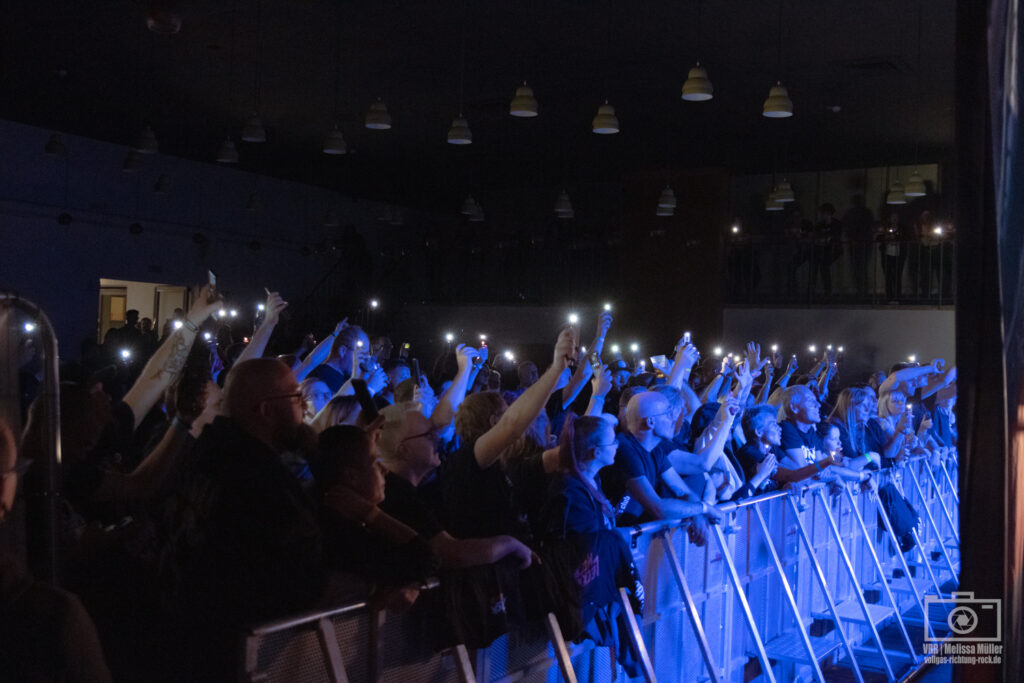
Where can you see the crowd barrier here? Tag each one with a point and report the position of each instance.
(804, 585)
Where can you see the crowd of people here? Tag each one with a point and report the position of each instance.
(218, 486)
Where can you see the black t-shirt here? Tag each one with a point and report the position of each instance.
(529, 484)
(748, 457)
(478, 503)
(329, 376)
(633, 461)
(792, 437)
(404, 502)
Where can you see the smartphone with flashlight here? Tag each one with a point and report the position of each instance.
(404, 351)
(660, 360)
(686, 338)
(416, 371)
(211, 278)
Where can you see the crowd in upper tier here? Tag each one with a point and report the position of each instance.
(217, 486)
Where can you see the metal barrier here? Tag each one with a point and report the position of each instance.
(801, 585)
(20, 317)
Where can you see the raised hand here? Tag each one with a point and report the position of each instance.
(464, 356)
(275, 304)
(204, 302)
(565, 348)
(754, 359)
(743, 374)
(342, 324)
(377, 379)
(604, 323)
(602, 382)
(687, 354)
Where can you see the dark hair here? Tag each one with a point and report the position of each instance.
(341, 448)
(754, 419)
(580, 435)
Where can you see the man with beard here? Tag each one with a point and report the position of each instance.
(246, 547)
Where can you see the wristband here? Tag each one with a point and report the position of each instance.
(189, 325)
(181, 424)
(817, 466)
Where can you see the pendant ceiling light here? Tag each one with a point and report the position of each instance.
(896, 194)
(524, 104)
(778, 105)
(163, 18)
(253, 130)
(132, 162)
(563, 207)
(606, 122)
(162, 184)
(55, 146)
(915, 185)
(667, 200)
(772, 204)
(665, 211)
(378, 118)
(334, 143)
(459, 133)
(478, 214)
(468, 206)
(784, 192)
(147, 144)
(228, 153)
(697, 87)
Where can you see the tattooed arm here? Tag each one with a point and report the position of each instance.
(166, 364)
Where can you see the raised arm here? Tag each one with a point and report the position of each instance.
(444, 413)
(319, 353)
(907, 375)
(166, 364)
(258, 343)
(602, 385)
(685, 357)
(526, 408)
(939, 381)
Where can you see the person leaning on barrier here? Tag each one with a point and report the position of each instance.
(358, 537)
(799, 415)
(642, 484)
(578, 542)
(408, 449)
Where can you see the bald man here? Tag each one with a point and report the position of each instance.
(246, 547)
(642, 483)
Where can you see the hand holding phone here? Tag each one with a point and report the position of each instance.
(416, 371)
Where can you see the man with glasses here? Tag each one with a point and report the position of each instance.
(642, 484)
(245, 543)
(408, 447)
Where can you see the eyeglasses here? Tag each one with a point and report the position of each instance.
(606, 445)
(656, 415)
(430, 435)
(294, 397)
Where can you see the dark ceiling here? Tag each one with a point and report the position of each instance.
(866, 90)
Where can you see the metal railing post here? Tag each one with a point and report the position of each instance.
(804, 637)
(934, 527)
(329, 643)
(766, 664)
(636, 638)
(561, 651)
(823, 585)
(856, 585)
(691, 608)
(938, 495)
(881, 572)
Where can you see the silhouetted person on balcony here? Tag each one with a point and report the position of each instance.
(828, 232)
(857, 221)
(894, 256)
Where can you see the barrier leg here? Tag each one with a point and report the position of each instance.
(823, 585)
(766, 664)
(881, 573)
(561, 651)
(636, 637)
(812, 656)
(934, 528)
(329, 643)
(869, 617)
(463, 664)
(691, 609)
(945, 510)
